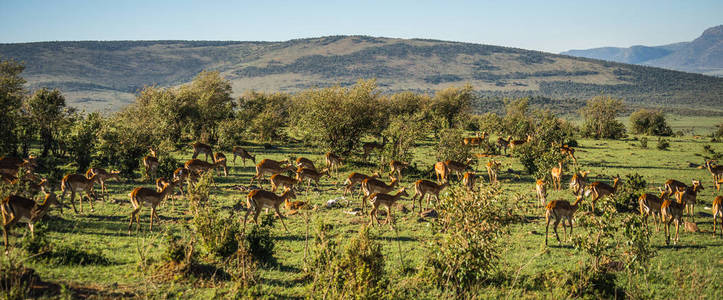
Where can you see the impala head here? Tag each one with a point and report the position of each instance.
(697, 185)
(403, 192)
(584, 173)
(679, 195)
(153, 152)
(375, 174)
(288, 194)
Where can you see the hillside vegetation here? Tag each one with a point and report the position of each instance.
(105, 75)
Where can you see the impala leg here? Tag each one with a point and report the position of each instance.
(72, 200)
(564, 227)
(133, 215)
(554, 227)
(715, 220)
(667, 231)
(371, 216)
(245, 218)
(90, 200)
(390, 216)
(281, 217)
(547, 226)
(153, 213)
(569, 222)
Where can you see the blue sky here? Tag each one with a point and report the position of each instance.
(551, 26)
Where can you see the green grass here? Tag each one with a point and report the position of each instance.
(690, 270)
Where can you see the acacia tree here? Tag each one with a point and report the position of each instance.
(46, 109)
(11, 95)
(453, 105)
(600, 113)
(650, 122)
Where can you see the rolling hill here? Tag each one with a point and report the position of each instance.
(105, 75)
(703, 55)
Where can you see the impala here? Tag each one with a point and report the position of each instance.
(442, 171)
(199, 148)
(76, 183)
(670, 211)
(381, 199)
(690, 197)
(541, 191)
(468, 180)
(238, 151)
(516, 143)
(332, 161)
(672, 185)
(198, 166)
(278, 180)
(220, 160)
(493, 167)
(150, 163)
(309, 175)
(181, 175)
(560, 209)
(716, 171)
(258, 199)
(556, 174)
(11, 165)
(355, 178)
(269, 166)
(568, 151)
(502, 144)
(16, 209)
(717, 212)
(578, 182)
(650, 205)
(303, 162)
(427, 188)
(142, 196)
(475, 141)
(370, 147)
(600, 189)
(102, 175)
(371, 186)
(396, 167)
(457, 167)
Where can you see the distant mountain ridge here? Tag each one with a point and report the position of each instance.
(703, 55)
(105, 75)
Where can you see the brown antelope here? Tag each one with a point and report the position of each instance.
(355, 178)
(309, 175)
(181, 175)
(150, 163)
(493, 167)
(468, 180)
(332, 162)
(278, 180)
(142, 196)
(381, 199)
(103, 175)
(442, 171)
(516, 143)
(716, 171)
(303, 162)
(560, 210)
(11, 165)
(258, 199)
(502, 144)
(578, 182)
(427, 188)
(600, 189)
(17, 209)
(238, 151)
(718, 184)
(673, 211)
(396, 166)
(198, 166)
(458, 167)
(717, 212)
(220, 160)
(370, 147)
(541, 191)
(690, 197)
(76, 183)
(199, 148)
(269, 166)
(568, 151)
(475, 141)
(672, 185)
(556, 174)
(372, 185)
(650, 206)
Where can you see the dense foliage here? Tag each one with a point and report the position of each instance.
(600, 113)
(644, 121)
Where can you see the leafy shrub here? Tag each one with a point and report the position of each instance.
(15, 279)
(450, 146)
(401, 134)
(230, 133)
(259, 243)
(216, 233)
(663, 144)
(639, 251)
(490, 123)
(40, 248)
(629, 189)
(644, 142)
(600, 113)
(178, 250)
(166, 165)
(81, 142)
(650, 122)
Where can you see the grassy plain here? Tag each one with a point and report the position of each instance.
(690, 270)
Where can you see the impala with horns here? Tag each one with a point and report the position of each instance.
(241, 152)
(427, 188)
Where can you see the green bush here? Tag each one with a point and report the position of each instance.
(259, 243)
(600, 113)
(450, 146)
(629, 189)
(644, 142)
(650, 122)
(663, 144)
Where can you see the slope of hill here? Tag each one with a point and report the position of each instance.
(105, 75)
(703, 55)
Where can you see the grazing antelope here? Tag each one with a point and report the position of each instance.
(673, 211)
(370, 147)
(258, 199)
(199, 148)
(278, 180)
(198, 166)
(578, 182)
(427, 188)
(303, 162)
(600, 189)
(372, 185)
(332, 162)
(76, 183)
(493, 167)
(560, 210)
(11, 165)
(238, 151)
(381, 199)
(541, 191)
(458, 167)
(309, 175)
(220, 160)
(355, 178)
(690, 197)
(650, 205)
(556, 174)
(442, 171)
(502, 144)
(718, 212)
(396, 166)
(468, 180)
(716, 171)
(269, 166)
(142, 196)
(103, 175)
(17, 209)
(150, 163)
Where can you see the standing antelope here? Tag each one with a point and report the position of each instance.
(468, 180)
(150, 163)
(372, 185)
(718, 212)
(670, 211)
(427, 188)
(396, 167)
(516, 143)
(16, 209)
(690, 197)
(568, 151)
(370, 147)
(541, 191)
(442, 171)
(560, 209)
(238, 151)
(220, 160)
(355, 178)
(279, 180)
(142, 196)
(493, 167)
(103, 175)
(672, 185)
(458, 167)
(332, 162)
(269, 166)
(600, 189)
(502, 144)
(556, 174)
(650, 205)
(258, 199)
(382, 199)
(199, 148)
(309, 175)
(76, 183)
(578, 182)
(716, 171)
(303, 162)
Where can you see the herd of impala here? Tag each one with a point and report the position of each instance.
(16, 208)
